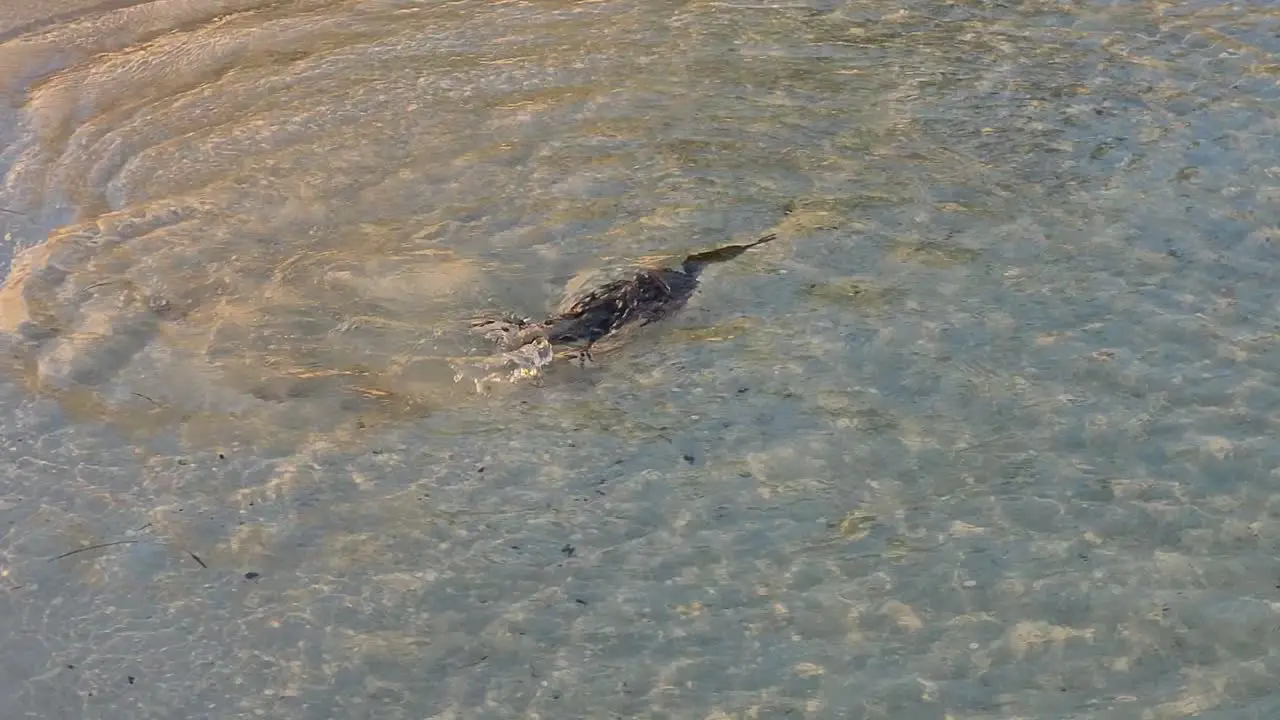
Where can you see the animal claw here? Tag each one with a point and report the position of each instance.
(583, 355)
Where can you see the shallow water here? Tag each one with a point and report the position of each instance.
(984, 434)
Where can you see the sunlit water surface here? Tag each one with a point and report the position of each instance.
(987, 432)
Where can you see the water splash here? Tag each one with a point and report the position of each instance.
(523, 364)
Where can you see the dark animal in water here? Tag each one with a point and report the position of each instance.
(637, 297)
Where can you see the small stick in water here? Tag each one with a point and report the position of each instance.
(92, 547)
